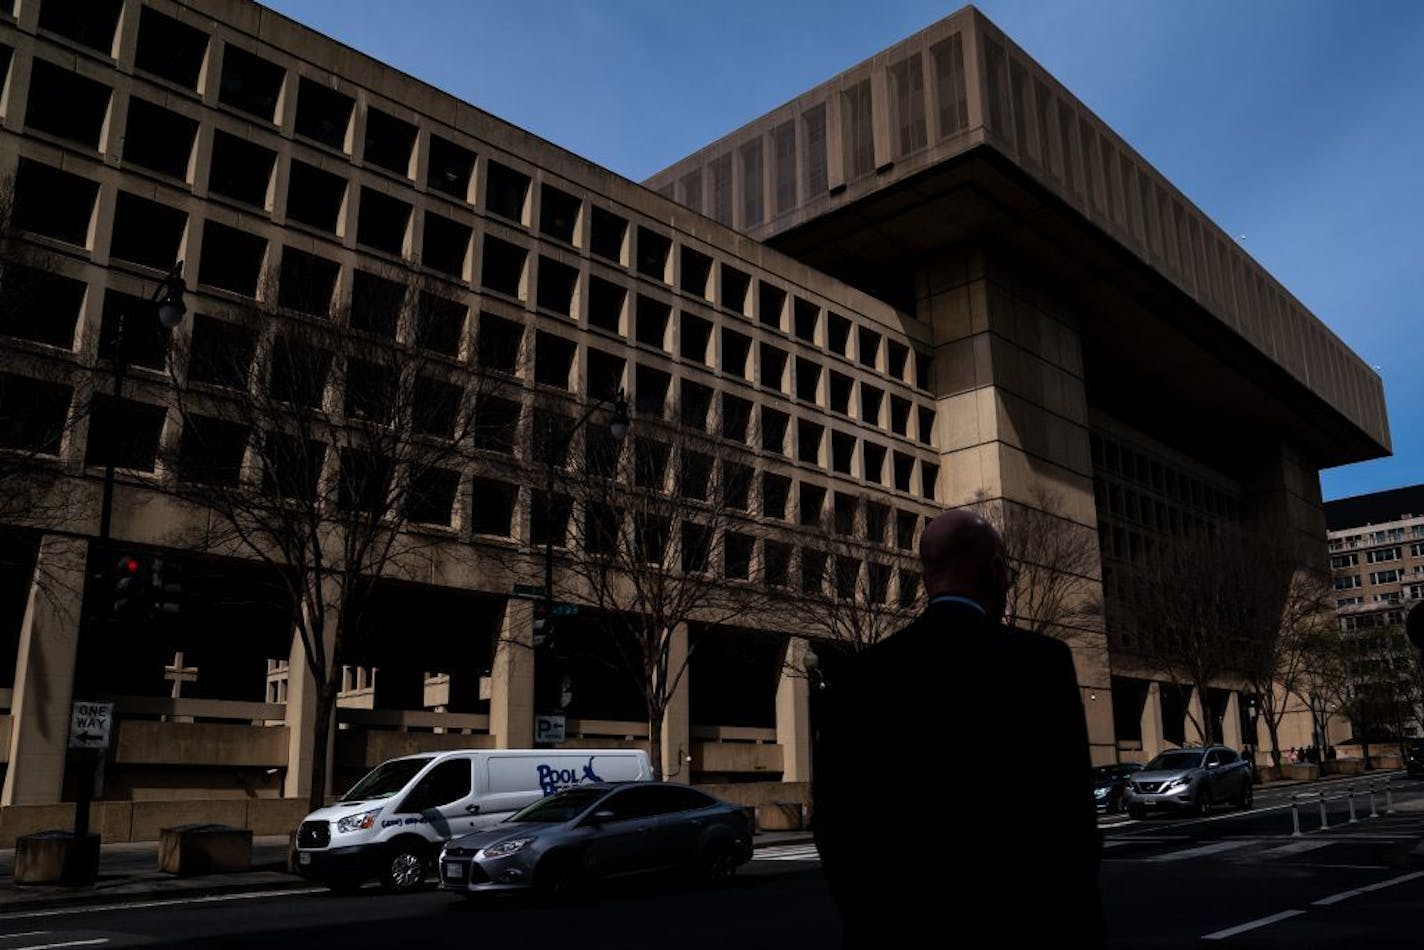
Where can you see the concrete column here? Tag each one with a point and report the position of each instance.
(44, 674)
(301, 709)
(677, 733)
(793, 715)
(1196, 715)
(1231, 723)
(512, 679)
(1152, 721)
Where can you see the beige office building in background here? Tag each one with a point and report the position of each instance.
(934, 280)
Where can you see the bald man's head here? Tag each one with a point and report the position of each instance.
(963, 554)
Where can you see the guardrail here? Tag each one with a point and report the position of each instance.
(1321, 798)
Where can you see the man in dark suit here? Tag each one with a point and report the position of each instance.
(951, 780)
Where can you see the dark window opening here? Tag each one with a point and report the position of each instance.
(600, 528)
(842, 452)
(65, 104)
(605, 374)
(773, 367)
(145, 341)
(307, 282)
(735, 350)
(696, 335)
(499, 343)
(775, 491)
(157, 139)
(553, 360)
(557, 282)
(846, 508)
(773, 430)
(651, 538)
(497, 424)
(905, 524)
(923, 369)
(449, 168)
(873, 458)
(292, 466)
(904, 468)
(857, 129)
(696, 547)
(808, 441)
(432, 496)
(389, 142)
(370, 391)
(40, 306)
(846, 576)
(439, 324)
(735, 287)
(695, 475)
(870, 402)
(737, 486)
(837, 333)
(232, 259)
(736, 418)
(720, 169)
(929, 479)
(689, 190)
(435, 407)
(601, 451)
(146, 232)
(364, 482)
(89, 23)
(771, 301)
(738, 553)
(753, 205)
(653, 251)
(445, 245)
(376, 304)
(33, 413)
(299, 373)
(877, 583)
(877, 519)
(652, 320)
(240, 169)
(170, 49)
(783, 145)
(492, 507)
(323, 114)
(506, 192)
(869, 347)
(502, 269)
(605, 304)
(696, 405)
(840, 391)
(211, 450)
(606, 233)
(382, 222)
(898, 354)
(250, 83)
(813, 505)
(813, 571)
(314, 196)
(123, 432)
(926, 427)
(696, 271)
(650, 391)
(807, 315)
(221, 354)
(909, 589)
(551, 436)
(53, 203)
(808, 379)
(650, 461)
(558, 213)
(776, 563)
(899, 415)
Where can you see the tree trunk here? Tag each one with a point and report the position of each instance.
(325, 708)
(655, 742)
(1273, 730)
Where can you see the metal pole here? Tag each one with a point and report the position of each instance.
(1351, 792)
(1324, 822)
(1388, 798)
(1295, 815)
(1373, 813)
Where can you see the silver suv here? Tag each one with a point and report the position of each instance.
(1191, 779)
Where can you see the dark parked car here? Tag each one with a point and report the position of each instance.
(1109, 781)
(1195, 780)
(1414, 758)
(596, 831)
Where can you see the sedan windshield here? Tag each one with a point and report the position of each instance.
(1175, 761)
(561, 806)
(385, 780)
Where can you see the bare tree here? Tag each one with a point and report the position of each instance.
(324, 442)
(660, 537)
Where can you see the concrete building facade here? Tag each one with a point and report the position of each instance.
(935, 280)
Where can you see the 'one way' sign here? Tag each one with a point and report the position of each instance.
(89, 725)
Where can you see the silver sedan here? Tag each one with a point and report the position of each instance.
(596, 831)
(1194, 780)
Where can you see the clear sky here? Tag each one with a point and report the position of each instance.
(1297, 125)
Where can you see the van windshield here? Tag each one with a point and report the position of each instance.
(385, 780)
(561, 806)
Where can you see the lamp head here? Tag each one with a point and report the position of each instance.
(170, 306)
(621, 421)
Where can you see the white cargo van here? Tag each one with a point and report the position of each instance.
(391, 824)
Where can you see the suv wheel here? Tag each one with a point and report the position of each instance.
(1203, 802)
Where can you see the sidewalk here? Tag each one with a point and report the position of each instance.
(128, 874)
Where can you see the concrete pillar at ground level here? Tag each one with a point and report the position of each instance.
(793, 715)
(677, 736)
(1152, 721)
(1231, 722)
(1196, 721)
(512, 679)
(44, 674)
(301, 708)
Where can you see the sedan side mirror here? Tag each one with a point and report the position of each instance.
(1212, 765)
(602, 815)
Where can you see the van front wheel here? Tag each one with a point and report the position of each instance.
(403, 869)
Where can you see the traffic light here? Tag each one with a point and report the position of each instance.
(132, 586)
(166, 583)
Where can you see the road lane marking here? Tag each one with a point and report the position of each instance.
(1296, 847)
(787, 853)
(27, 933)
(1356, 892)
(1189, 853)
(67, 943)
(144, 905)
(1253, 924)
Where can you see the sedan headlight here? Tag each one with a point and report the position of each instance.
(1100, 792)
(505, 848)
(367, 819)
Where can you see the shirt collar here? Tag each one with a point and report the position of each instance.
(956, 599)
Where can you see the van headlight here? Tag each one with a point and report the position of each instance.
(361, 822)
(505, 848)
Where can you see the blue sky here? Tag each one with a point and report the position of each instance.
(1299, 125)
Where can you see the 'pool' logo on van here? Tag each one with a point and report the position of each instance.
(552, 780)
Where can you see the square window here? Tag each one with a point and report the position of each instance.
(323, 114)
(250, 83)
(449, 168)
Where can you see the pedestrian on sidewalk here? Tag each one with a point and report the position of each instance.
(957, 663)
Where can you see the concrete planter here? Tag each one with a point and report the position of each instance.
(780, 816)
(57, 857)
(204, 849)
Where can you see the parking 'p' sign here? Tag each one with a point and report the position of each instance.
(90, 724)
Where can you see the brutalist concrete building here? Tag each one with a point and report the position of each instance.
(937, 279)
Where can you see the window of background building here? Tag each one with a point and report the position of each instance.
(949, 79)
(753, 205)
(449, 168)
(721, 171)
(506, 192)
(250, 83)
(169, 48)
(389, 142)
(54, 203)
(314, 197)
(813, 131)
(158, 139)
(607, 233)
(383, 222)
(65, 104)
(323, 114)
(240, 170)
(859, 134)
(909, 80)
(783, 144)
(605, 304)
